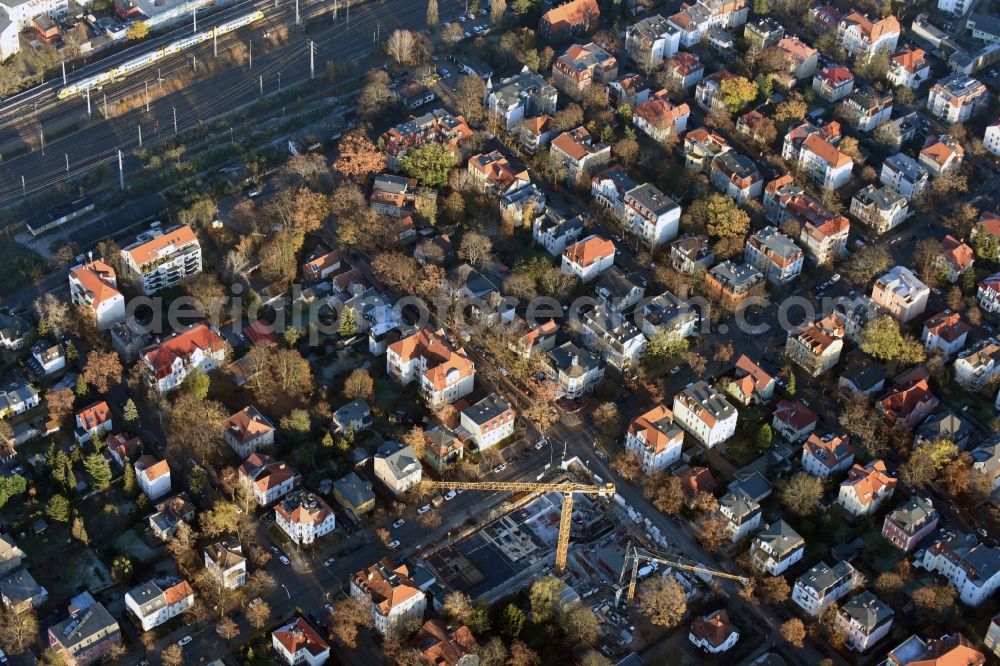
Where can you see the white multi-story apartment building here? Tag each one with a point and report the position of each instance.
(444, 374)
(659, 118)
(833, 82)
(945, 332)
(879, 208)
(588, 258)
(823, 163)
(391, 594)
(909, 68)
(826, 456)
(988, 293)
(651, 41)
(705, 413)
(166, 365)
(860, 35)
(153, 476)
(654, 439)
(775, 255)
(956, 7)
(905, 175)
(823, 585)
(524, 95)
(304, 517)
(776, 548)
(225, 561)
(977, 367)
(816, 347)
(578, 152)
(489, 421)
(271, 479)
(578, 371)
(991, 138)
(651, 215)
(161, 259)
(901, 294)
(248, 431)
(736, 176)
(969, 566)
(153, 606)
(94, 286)
(554, 232)
(866, 488)
(957, 97)
(865, 620)
(614, 337)
(298, 643)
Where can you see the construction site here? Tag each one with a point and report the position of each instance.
(606, 548)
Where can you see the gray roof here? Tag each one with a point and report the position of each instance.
(865, 376)
(883, 197)
(959, 84)
(468, 277)
(652, 199)
(20, 586)
(984, 23)
(986, 457)
(781, 538)
(906, 165)
(709, 399)
(85, 628)
(653, 27)
(617, 284)
(611, 327)
(149, 596)
(225, 555)
(16, 393)
(979, 562)
(913, 515)
(386, 182)
(822, 577)
(732, 163)
(867, 610)
(753, 483)
(486, 409)
(351, 412)
(772, 240)
(13, 327)
(946, 424)
(736, 276)
(512, 90)
(739, 504)
(401, 460)
(573, 361)
(354, 490)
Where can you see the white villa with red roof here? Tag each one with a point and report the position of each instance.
(248, 431)
(94, 285)
(153, 476)
(654, 439)
(390, 593)
(161, 259)
(271, 479)
(167, 364)
(826, 456)
(92, 420)
(588, 258)
(444, 374)
(866, 488)
(304, 517)
(298, 643)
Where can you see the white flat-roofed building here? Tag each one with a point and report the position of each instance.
(957, 98)
(901, 294)
(159, 260)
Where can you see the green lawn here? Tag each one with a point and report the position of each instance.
(22, 266)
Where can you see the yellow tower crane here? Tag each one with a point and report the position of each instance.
(565, 517)
(635, 554)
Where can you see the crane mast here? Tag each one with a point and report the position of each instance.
(565, 515)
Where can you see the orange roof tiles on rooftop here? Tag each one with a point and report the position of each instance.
(151, 250)
(826, 151)
(97, 278)
(589, 250)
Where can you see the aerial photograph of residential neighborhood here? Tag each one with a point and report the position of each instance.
(500, 332)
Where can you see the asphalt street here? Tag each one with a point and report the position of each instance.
(97, 141)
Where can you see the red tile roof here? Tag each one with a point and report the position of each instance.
(299, 636)
(162, 356)
(589, 250)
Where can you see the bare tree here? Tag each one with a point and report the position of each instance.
(227, 629)
(400, 46)
(259, 615)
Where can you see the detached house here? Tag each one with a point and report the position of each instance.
(705, 413)
(391, 595)
(493, 173)
(866, 488)
(444, 644)
(880, 209)
(701, 147)
(659, 118)
(225, 562)
(775, 255)
(956, 257)
(444, 374)
(489, 421)
(827, 455)
(988, 293)
(581, 157)
(588, 258)
(93, 419)
(901, 294)
(94, 286)
(650, 41)
(654, 439)
(776, 548)
(554, 232)
(271, 479)
(750, 383)
(153, 476)
(578, 371)
(910, 523)
(564, 22)
(166, 365)
(153, 605)
(823, 585)
(395, 196)
(865, 620)
(668, 313)
(736, 176)
(516, 98)
(957, 97)
(397, 467)
(87, 635)
(824, 233)
(942, 154)
(299, 643)
(909, 402)
(909, 68)
(713, 633)
(947, 650)
(866, 108)
(437, 126)
(905, 175)
(248, 431)
(823, 163)
(614, 337)
(685, 68)
(969, 566)
(691, 253)
(304, 517)
(742, 514)
(581, 66)
(977, 367)
(801, 59)
(816, 347)
(733, 283)
(793, 420)
(161, 259)
(860, 35)
(833, 82)
(650, 214)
